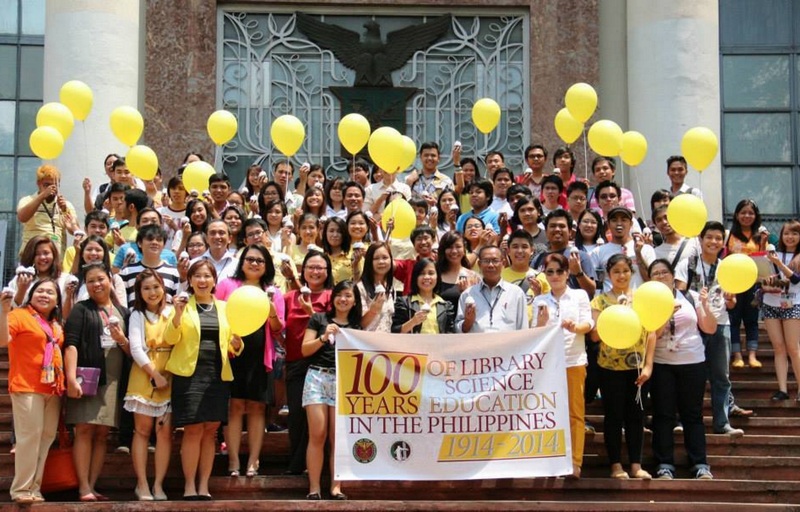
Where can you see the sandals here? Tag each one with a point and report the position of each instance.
(252, 471)
(642, 475)
(233, 473)
(339, 496)
(620, 475)
(313, 496)
(755, 363)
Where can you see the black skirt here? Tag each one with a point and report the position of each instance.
(251, 380)
(202, 397)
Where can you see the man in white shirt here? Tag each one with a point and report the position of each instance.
(492, 305)
(675, 248)
(676, 171)
(376, 195)
(502, 181)
(219, 238)
(620, 220)
(282, 173)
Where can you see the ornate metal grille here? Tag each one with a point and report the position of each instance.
(268, 68)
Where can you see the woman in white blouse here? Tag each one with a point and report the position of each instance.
(570, 309)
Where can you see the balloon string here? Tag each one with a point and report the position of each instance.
(639, 374)
(585, 156)
(638, 188)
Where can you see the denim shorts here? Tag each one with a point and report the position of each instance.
(320, 387)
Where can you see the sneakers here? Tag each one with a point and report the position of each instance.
(589, 428)
(665, 474)
(223, 448)
(151, 448)
(703, 474)
(284, 411)
(729, 430)
(779, 396)
(274, 427)
(123, 449)
(678, 428)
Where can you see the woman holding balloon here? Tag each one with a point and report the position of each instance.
(679, 376)
(252, 387)
(625, 365)
(746, 236)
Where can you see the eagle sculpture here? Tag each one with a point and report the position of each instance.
(371, 58)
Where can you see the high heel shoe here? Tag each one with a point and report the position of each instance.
(143, 497)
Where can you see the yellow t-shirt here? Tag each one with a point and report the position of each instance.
(48, 220)
(514, 277)
(342, 267)
(614, 358)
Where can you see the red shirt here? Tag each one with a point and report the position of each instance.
(297, 319)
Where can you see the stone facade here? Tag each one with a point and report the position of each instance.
(181, 54)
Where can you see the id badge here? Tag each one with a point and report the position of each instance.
(106, 341)
(787, 300)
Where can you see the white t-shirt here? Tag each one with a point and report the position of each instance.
(572, 305)
(669, 251)
(681, 343)
(791, 296)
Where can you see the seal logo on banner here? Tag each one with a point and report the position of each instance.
(400, 451)
(364, 450)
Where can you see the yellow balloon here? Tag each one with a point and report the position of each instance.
(247, 309)
(385, 147)
(486, 114)
(46, 142)
(737, 273)
(687, 214)
(142, 162)
(57, 116)
(221, 127)
(619, 327)
(634, 148)
(127, 125)
(287, 134)
(78, 97)
(195, 176)
(581, 101)
(605, 138)
(354, 132)
(405, 220)
(409, 152)
(654, 303)
(567, 127)
(699, 146)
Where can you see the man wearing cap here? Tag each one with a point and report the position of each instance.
(620, 220)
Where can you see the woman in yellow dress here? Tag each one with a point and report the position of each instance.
(149, 390)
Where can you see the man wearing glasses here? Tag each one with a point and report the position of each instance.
(535, 160)
(493, 304)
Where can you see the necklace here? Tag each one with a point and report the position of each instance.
(205, 308)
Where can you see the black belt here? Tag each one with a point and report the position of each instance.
(321, 369)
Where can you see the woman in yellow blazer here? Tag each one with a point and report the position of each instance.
(201, 371)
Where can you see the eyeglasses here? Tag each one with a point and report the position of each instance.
(317, 269)
(555, 271)
(196, 245)
(661, 273)
(255, 261)
(608, 196)
(491, 262)
(536, 157)
(254, 234)
(579, 199)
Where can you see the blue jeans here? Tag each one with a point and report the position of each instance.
(718, 353)
(744, 313)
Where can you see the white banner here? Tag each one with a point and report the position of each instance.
(451, 407)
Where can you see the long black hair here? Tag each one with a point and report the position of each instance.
(268, 278)
(354, 315)
(368, 275)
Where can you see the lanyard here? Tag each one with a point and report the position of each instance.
(708, 278)
(491, 304)
(51, 215)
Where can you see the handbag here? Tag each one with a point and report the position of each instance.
(59, 470)
(88, 379)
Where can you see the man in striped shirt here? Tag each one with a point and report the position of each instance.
(150, 239)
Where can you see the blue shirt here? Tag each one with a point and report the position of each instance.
(488, 216)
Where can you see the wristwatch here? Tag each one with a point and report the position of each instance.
(579, 275)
